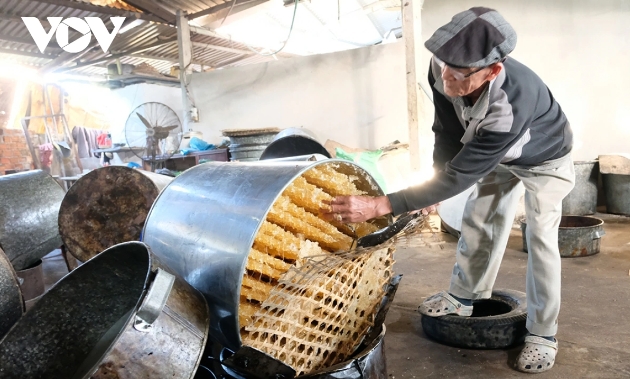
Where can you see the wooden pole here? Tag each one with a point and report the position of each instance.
(416, 101)
(185, 61)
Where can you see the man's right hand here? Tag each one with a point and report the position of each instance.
(356, 208)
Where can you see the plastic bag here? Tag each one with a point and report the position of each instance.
(367, 160)
(199, 144)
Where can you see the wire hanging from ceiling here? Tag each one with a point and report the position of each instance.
(285, 41)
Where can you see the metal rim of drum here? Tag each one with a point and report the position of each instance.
(88, 317)
(12, 304)
(223, 295)
(28, 216)
(93, 216)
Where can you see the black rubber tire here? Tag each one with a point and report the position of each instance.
(480, 331)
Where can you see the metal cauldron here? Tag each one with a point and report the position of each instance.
(578, 236)
(105, 207)
(293, 142)
(11, 301)
(204, 224)
(28, 216)
(119, 315)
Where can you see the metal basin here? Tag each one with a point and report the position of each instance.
(119, 315)
(11, 301)
(28, 216)
(578, 236)
(204, 223)
(105, 207)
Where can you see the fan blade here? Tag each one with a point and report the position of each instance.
(166, 128)
(144, 121)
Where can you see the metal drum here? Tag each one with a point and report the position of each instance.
(293, 142)
(582, 200)
(204, 223)
(11, 302)
(107, 206)
(28, 216)
(120, 315)
(617, 190)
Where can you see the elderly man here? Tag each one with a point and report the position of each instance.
(496, 126)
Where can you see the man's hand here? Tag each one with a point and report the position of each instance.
(429, 209)
(356, 208)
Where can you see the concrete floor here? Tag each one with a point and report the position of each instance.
(594, 321)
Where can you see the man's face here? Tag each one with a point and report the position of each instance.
(454, 86)
(463, 81)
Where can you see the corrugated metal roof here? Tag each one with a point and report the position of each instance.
(320, 27)
(149, 42)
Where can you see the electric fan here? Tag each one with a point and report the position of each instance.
(156, 129)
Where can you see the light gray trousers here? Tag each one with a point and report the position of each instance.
(486, 224)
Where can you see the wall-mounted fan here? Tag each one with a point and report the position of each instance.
(156, 129)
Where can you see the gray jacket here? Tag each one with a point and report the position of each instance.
(515, 121)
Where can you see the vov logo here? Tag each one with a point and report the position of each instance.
(61, 29)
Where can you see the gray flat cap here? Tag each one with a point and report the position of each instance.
(477, 37)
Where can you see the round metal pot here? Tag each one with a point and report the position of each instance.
(293, 142)
(582, 200)
(105, 207)
(120, 315)
(28, 216)
(617, 189)
(204, 224)
(578, 236)
(11, 302)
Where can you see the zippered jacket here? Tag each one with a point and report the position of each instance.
(516, 121)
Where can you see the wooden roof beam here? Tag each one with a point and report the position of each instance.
(154, 8)
(84, 6)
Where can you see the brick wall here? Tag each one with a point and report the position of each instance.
(14, 153)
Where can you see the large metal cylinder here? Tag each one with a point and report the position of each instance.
(11, 302)
(107, 206)
(204, 223)
(617, 189)
(582, 200)
(28, 216)
(120, 315)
